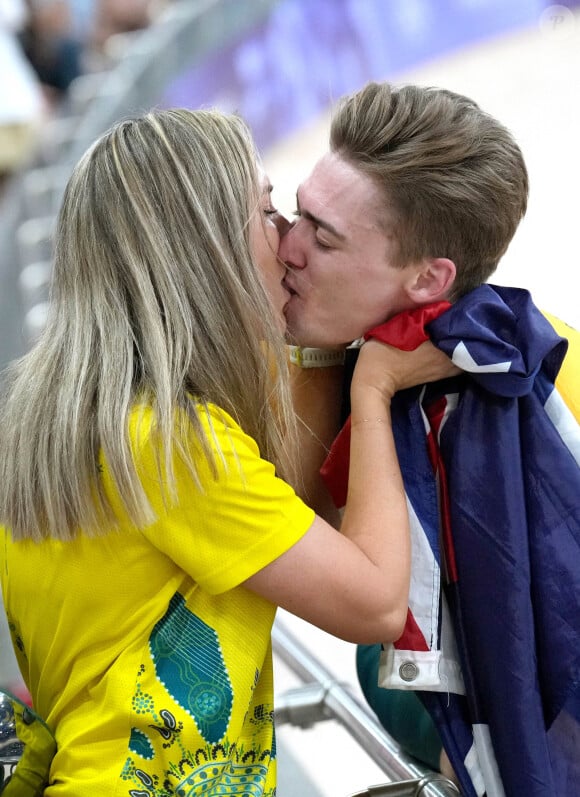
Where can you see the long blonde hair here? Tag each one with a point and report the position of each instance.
(154, 297)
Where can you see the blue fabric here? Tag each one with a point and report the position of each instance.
(514, 490)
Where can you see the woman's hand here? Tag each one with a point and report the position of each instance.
(388, 369)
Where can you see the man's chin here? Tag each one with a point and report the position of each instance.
(296, 336)
(312, 342)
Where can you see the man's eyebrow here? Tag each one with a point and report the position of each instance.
(306, 214)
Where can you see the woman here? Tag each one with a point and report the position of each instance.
(137, 491)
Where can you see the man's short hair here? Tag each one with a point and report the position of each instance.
(453, 177)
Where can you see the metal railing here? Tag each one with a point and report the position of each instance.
(324, 698)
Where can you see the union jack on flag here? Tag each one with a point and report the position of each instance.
(491, 465)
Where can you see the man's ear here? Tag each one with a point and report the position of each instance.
(431, 280)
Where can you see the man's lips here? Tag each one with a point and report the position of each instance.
(291, 290)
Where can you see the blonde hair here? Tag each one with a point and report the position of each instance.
(155, 297)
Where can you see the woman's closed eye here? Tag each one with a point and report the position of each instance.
(280, 221)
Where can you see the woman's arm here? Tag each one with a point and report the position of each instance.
(355, 584)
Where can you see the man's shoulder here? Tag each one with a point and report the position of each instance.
(568, 381)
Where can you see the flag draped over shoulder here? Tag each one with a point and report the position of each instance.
(491, 465)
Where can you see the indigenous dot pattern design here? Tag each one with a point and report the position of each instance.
(188, 662)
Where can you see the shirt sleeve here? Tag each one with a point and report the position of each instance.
(568, 380)
(232, 524)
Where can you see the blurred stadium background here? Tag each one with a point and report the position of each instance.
(282, 64)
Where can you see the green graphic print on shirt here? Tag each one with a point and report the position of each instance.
(188, 663)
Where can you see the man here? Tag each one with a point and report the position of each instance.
(414, 205)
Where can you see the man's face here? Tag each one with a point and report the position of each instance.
(339, 258)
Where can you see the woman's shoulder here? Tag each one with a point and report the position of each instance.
(201, 428)
(143, 419)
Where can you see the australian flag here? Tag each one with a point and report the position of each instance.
(491, 465)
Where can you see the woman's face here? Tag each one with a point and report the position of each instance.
(266, 227)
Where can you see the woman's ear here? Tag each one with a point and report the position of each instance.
(431, 281)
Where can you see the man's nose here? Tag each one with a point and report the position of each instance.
(290, 250)
(282, 224)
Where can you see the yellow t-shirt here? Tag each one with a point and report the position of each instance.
(148, 660)
(568, 380)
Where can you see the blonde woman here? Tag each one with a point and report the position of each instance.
(149, 534)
